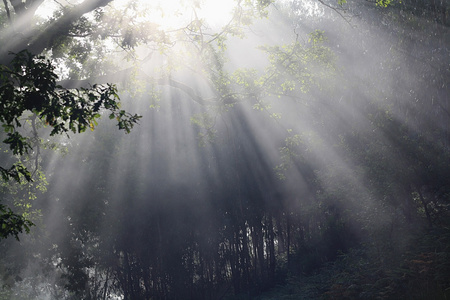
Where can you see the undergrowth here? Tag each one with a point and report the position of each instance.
(421, 271)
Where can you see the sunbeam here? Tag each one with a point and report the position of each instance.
(245, 149)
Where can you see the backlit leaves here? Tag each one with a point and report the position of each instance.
(12, 224)
(298, 67)
(29, 86)
(384, 3)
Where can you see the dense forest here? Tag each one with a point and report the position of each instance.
(287, 149)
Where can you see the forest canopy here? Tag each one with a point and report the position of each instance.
(288, 149)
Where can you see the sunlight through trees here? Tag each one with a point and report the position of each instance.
(273, 150)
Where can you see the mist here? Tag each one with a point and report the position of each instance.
(301, 155)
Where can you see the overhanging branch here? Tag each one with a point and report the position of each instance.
(130, 72)
(61, 26)
(36, 42)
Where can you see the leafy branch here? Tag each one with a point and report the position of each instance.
(12, 223)
(29, 85)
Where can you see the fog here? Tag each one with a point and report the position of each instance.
(310, 145)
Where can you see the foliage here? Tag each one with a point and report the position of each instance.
(322, 174)
(422, 273)
(296, 67)
(12, 224)
(30, 86)
(28, 92)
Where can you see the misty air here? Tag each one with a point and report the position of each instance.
(221, 150)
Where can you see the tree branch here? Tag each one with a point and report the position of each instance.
(36, 42)
(61, 26)
(186, 89)
(336, 10)
(127, 73)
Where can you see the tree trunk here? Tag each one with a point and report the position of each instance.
(271, 250)
(425, 207)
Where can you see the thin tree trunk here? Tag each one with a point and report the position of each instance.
(425, 207)
(288, 230)
(271, 250)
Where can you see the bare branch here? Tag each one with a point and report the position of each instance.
(186, 89)
(338, 11)
(127, 73)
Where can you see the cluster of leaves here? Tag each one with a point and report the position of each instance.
(297, 66)
(294, 69)
(15, 172)
(29, 86)
(381, 3)
(12, 223)
(29, 92)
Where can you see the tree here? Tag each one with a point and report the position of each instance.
(32, 89)
(288, 165)
(30, 94)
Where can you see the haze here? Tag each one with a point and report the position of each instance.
(286, 150)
